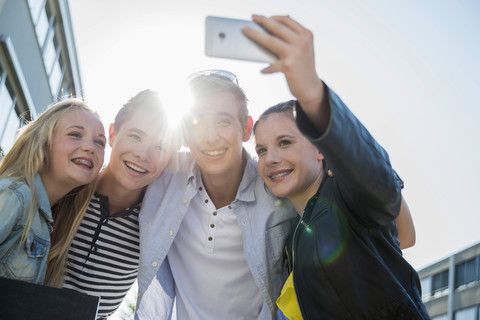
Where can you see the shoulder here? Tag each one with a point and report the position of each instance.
(15, 187)
(15, 197)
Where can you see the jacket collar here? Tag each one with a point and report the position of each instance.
(43, 202)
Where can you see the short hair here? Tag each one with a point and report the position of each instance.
(148, 101)
(205, 85)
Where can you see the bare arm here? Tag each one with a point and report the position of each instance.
(406, 228)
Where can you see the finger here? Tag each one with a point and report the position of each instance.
(273, 68)
(272, 43)
(290, 23)
(276, 27)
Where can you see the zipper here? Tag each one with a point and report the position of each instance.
(293, 258)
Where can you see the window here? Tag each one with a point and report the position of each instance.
(466, 314)
(426, 285)
(8, 119)
(466, 272)
(14, 95)
(439, 282)
(48, 39)
(441, 317)
(40, 19)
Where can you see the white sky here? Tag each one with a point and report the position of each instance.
(409, 70)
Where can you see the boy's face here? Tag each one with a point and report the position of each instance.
(216, 134)
(139, 153)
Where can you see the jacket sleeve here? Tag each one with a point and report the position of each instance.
(362, 168)
(11, 209)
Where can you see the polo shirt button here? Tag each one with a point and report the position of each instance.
(185, 201)
(154, 264)
(170, 233)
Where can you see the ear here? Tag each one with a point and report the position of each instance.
(111, 134)
(247, 132)
(320, 156)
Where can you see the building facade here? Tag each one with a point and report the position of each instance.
(451, 287)
(38, 61)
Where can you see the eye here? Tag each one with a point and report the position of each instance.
(101, 143)
(224, 122)
(75, 134)
(260, 151)
(135, 137)
(284, 143)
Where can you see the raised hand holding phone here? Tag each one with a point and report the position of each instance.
(224, 39)
(293, 45)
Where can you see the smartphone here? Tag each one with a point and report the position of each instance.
(224, 39)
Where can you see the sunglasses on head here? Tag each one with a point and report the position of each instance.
(215, 72)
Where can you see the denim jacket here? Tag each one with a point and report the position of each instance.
(264, 222)
(28, 261)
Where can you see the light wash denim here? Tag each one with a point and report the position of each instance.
(27, 261)
(264, 220)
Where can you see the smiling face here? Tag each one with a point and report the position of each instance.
(216, 132)
(289, 164)
(77, 150)
(140, 152)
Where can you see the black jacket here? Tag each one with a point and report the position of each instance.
(344, 251)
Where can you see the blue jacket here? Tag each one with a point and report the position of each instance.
(344, 251)
(28, 261)
(264, 223)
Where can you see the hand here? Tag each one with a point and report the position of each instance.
(293, 45)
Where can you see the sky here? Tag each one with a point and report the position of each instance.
(409, 70)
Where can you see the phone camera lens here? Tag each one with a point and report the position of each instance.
(221, 35)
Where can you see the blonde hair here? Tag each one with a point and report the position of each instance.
(29, 155)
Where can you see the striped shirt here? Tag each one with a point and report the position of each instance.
(103, 257)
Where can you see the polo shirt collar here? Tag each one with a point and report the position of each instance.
(245, 192)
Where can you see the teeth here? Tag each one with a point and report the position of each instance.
(134, 167)
(83, 162)
(214, 153)
(280, 175)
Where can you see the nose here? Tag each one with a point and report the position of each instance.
(141, 152)
(88, 146)
(211, 133)
(272, 157)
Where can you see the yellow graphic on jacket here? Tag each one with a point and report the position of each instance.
(287, 302)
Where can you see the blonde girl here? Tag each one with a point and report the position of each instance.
(46, 181)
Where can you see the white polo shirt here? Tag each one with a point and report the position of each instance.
(212, 277)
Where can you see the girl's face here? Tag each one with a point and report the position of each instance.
(77, 150)
(289, 164)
